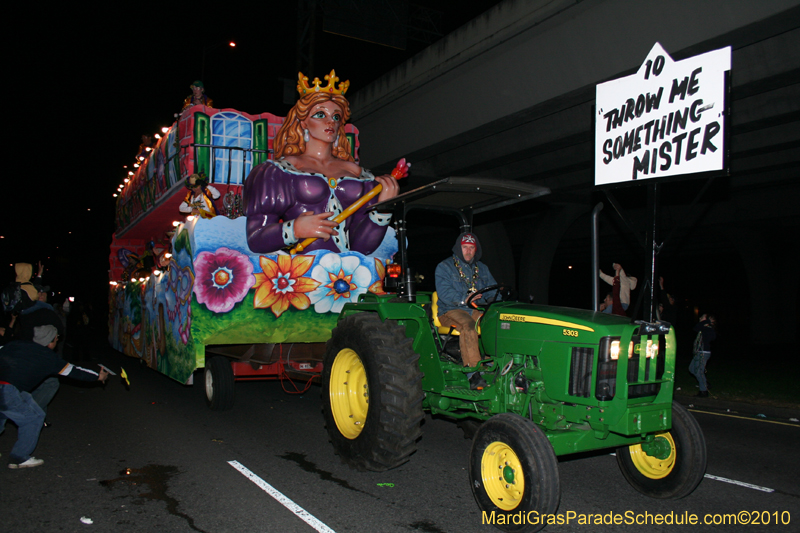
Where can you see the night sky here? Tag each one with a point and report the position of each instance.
(83, 86)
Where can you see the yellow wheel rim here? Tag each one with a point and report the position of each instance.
(652, 466)
(349, 393)
(502, 476)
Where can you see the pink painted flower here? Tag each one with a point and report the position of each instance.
(222, 279)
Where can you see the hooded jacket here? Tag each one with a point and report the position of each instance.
(452, 288)
(22, 294)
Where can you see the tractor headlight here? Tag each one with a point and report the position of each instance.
(651, 349)
(609, 349)
(614, 350)
(606, 382)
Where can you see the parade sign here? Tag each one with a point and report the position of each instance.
(665, 120)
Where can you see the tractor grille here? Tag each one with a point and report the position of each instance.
(653, 368)
(580, 372)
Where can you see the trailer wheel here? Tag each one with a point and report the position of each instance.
(371, 393)
(219, 384)
(514, 471)
(674, 465)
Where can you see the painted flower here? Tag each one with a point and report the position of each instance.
(184, 329)
(377, 287)
(281, 283)
(342, 280)
(222, 279)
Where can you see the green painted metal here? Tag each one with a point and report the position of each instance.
(531, 350)
(202, 135)
(659, 448)
(260, 140)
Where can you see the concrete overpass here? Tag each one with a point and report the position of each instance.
(511, 95)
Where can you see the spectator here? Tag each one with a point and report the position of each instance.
(41, 315)
(78, 327)
(23, 365)
(22, 294)
(706, 333)
(626, 285)
(667, 309)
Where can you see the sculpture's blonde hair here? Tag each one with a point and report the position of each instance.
(289, 140)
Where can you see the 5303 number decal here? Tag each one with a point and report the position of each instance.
(569, 332)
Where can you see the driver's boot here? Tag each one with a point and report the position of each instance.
(476, 381)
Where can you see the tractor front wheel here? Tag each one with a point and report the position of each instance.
(514, 470)
(672, 465)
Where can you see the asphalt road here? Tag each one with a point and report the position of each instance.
(154, 458)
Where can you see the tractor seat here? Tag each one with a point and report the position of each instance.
(443, 329)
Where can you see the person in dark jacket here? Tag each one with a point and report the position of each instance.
(667, 307)
(457, 277)
(23, 366)
(706, 334)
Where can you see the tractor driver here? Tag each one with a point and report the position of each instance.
(456, 278)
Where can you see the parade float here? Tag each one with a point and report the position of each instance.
(186, 288)
(256, 297)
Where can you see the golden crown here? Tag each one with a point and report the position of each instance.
(304, 88)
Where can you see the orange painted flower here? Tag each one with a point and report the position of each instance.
(281, 283)
(377, 287)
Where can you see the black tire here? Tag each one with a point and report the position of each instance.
(676, 475)
(218, 384)
(511, 451)
(373, 409)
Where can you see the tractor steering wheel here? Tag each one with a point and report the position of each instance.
(472, 297)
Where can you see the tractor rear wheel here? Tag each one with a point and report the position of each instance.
(371, 393)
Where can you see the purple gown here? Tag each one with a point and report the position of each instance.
(276, 193)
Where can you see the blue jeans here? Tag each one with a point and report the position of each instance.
(43, 394)
(698, 368)
(20, 408)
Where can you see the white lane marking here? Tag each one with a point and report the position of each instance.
(733, 482)
(304, 515)
(740, 483)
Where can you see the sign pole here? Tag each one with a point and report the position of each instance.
(653, 200)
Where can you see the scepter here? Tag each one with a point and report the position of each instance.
(400, 171)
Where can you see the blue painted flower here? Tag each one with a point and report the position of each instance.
(342, 280)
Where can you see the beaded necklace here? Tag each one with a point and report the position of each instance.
(470, 283)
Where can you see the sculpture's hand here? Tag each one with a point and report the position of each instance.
(316, 226)
(390, 187)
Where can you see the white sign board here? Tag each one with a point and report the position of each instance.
(665, 120)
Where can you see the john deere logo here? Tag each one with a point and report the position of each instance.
(507, 317)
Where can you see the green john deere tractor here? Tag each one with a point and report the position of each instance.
(559, 381)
